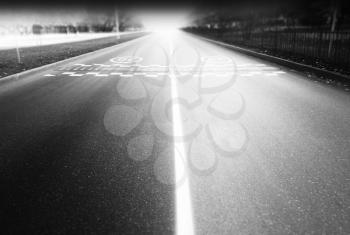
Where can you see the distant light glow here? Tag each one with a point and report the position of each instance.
(163, 22)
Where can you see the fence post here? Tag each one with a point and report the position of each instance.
(294, 38)
(320, 43)
(276, 43)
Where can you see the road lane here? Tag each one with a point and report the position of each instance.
(88, 147)
(63, 171)
(293, 177)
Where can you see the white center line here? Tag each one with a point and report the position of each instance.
(183, 207)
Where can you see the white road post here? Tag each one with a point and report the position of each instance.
(17, 47)
(117, 24)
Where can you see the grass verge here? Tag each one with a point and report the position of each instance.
(33, 57)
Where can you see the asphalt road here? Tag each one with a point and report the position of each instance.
(169, 133)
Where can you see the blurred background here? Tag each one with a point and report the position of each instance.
(313, 32)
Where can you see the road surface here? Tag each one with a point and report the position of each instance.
(171, 134)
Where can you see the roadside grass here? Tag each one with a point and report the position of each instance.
(32, 57)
